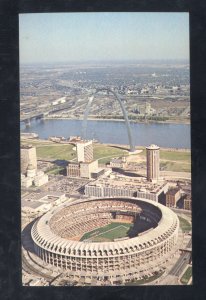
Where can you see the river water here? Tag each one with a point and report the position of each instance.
(164, 135)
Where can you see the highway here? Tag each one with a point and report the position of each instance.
(31, 270)
(181, 211)
(182, 262)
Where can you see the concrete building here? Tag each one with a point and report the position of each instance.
(152, 162)
(41, 202)
(28, 156)
(73, 169)
(118, 163)
(59, 101)
(31, 171)
(118, 186)
(56, 236)
(145, 109)
(29, 135)
(26, 181)
(188, 203)
(86, 168)
(85, 164)
(35, 177)
(40, 178)
(82, 169)
(172, 196)
(98, 172)
(84, 151)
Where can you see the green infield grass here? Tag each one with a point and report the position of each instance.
(107, 233)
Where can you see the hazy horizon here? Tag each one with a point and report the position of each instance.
(143, 61)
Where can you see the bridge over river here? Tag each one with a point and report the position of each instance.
(40, 114)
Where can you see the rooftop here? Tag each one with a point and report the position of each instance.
(44, 197)
(31, 204)
(84, 142)
(173, 191)
(140, 184)
(153, 147)
(27, 146)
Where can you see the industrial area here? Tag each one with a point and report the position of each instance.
(151, 92)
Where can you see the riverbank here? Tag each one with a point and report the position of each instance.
(114, 132)
(186, 122)
(120, 146)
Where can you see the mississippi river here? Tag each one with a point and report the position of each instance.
(164, 135)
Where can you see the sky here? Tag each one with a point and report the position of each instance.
(68, 37)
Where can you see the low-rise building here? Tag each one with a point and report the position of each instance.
(41, 202)
(188, 203)
(26, 181)
(97, 173)
(40, 178)
(73, 169)
(86, 168)
(82, 169)
(125, 186)
(118, 163)
(29, 135)
(31, 171)
(172, 196)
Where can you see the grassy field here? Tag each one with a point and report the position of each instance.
(55, 170)
(184, 224)
(186, 276)
(177, 161)
(171, 155)
(107, 233)
(63, 152)
(175, 166)
(105, 153)
(175, 155)
(50, 150)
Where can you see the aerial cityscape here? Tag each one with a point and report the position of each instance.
(105, 150)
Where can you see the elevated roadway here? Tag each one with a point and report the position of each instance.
(29, 268)
(41, 113)
(182, 261)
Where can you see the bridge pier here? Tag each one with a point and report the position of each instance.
(27, 123)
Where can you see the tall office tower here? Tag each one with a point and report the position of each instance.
(152, 162)
(84, 151)
(28, 156)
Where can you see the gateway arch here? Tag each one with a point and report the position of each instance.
(129, 133)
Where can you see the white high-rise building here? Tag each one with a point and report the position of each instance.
(28, 156)
(84, 151)
(152, 162)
